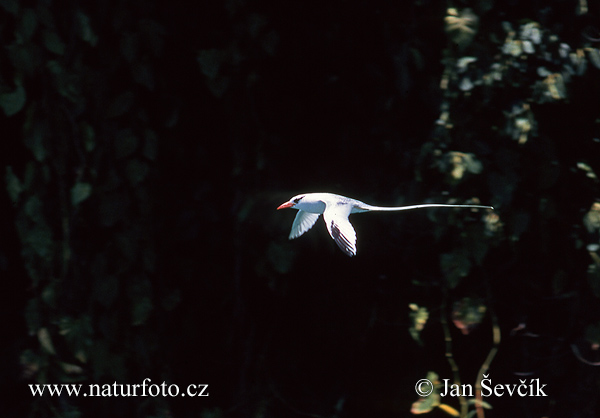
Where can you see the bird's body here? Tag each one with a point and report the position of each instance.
(336, 209)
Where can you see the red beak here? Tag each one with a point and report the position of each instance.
(286, 205)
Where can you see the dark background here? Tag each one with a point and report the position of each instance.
(146, 145)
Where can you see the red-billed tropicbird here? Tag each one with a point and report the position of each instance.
(336, 209)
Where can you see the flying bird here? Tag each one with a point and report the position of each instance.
(336, 209)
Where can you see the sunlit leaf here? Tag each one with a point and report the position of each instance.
(425, 405)
(457, 164)
(589, 172)
(461, 26)
(449, 410)
(591, 219)
(70, 368)
(419, 317)
(46, 340)
(428, 403)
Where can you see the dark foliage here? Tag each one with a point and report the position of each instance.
(146, 145)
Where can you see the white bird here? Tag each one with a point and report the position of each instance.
(336, 209)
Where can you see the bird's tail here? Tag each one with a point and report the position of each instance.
(367, 208)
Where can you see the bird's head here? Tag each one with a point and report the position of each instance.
(292, 202)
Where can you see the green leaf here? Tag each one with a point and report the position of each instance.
(80, 192)
(14, 101)
(13, 185)
(33, 209)
(425, 405)
(85, 30)
(27, 25)
(34, 140)
(419, 317)
(89, 136)
(39, 238)
(49, 295)
(53, 43)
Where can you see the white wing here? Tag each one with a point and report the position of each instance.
(341, 230)
(302, 223)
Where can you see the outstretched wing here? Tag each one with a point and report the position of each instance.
(341, 230)
(302, 223)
